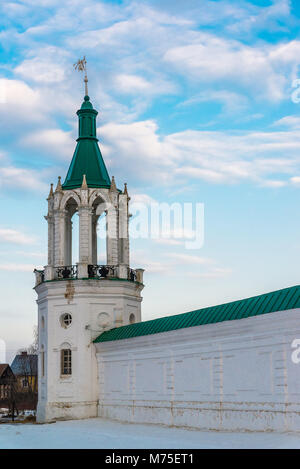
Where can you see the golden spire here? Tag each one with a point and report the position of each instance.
(84, 184)
(81, 67)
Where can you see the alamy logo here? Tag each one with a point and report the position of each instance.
(296, 353)
(178, 222)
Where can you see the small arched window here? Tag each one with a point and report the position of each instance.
(132, 318)
(66, 320)
(66, 362)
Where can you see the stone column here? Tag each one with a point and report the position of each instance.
(123, 271)
(123, 230)
(49, 272)
(94, 239)
(50, 220)
(59, 237)
(68, 239)
(140, 275)
(85, 240)
(112, 236)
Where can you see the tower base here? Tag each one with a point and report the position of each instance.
(90, 307)
(52, 411)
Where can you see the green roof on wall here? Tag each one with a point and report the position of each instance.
(280, 300)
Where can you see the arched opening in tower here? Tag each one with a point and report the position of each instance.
(71, 232)
(75, 238)
(99, 232)
(101, 239)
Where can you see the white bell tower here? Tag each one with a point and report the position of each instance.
(78, 302)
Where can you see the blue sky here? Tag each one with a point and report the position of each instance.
(195, 105)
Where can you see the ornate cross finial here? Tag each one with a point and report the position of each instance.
(81, 67)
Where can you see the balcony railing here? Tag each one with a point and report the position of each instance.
(132, 275)
(94, 271)
(102, 271)
(66, 272)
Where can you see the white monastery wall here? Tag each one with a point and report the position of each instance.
(234, 375)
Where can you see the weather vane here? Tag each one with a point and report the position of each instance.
(81, 67)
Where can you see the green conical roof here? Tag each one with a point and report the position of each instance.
(87, 158)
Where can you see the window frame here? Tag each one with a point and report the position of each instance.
(66, 362)
(25, 383)
(66, 320)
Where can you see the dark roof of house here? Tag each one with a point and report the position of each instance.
(6, 374)
(24, 364)
(3, 367)
(280, 300)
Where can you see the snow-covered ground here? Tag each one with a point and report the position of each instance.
(99, 433)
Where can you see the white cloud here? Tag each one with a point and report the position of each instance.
(11, 267)
(24, 108)
(139, 148)
(69, 16)
(150, 264)
(217, 157)
(189, 259)
(16, 237)
(176, 237)
(217, 272)
(125, 34)
(169, 241)
(142, 199)
(41, 70)
(264, 69)
(274, 17)
(20, 98)
(171, 263)
(154, 267)
(54, 141)
(15, 178)
(295, 180)
(138, 85)
(273, 184)
(42, 3)
(231, 102)
(31, 254)
(132, 84)
(141, 44)
(292, 122)
(201, 173)
(144, 40)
